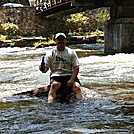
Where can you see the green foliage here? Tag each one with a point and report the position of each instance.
(77, 18)
(97, 33)
(12, 44)
(76, 22)
(2, 37)
(99, 41)
(10, 29)
(83, 23)
(103, 16)
(44, 43)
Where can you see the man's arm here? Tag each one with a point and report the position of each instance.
(75, 73)
(73, 77)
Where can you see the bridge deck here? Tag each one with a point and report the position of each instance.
(47, 7)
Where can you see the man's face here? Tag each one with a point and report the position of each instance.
(61, 43)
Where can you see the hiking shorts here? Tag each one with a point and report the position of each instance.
(63, 80)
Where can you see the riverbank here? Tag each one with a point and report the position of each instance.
(45, 42)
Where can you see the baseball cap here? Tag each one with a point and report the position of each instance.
(60, 34)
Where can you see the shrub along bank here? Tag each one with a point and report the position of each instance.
(45, 42)
(82, 29)
(12, 39)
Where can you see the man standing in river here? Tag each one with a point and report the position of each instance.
(64, 66)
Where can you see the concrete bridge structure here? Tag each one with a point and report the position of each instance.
(47, 8)
(119, 30)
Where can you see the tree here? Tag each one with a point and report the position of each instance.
(76, 22)
(10, 29)
(88, 21)
(102, 18)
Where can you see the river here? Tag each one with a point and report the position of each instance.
(107, 86)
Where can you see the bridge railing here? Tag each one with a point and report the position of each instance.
(42, 5)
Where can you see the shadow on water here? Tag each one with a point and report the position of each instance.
(107, 86)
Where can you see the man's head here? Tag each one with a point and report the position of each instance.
(60, 39)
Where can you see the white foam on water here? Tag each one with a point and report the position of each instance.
(119, 67)
(89, 94)
(22, 74)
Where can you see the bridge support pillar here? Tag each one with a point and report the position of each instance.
(119, 31)
(119, 36)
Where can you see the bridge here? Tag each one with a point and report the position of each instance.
(119, 31)
(48, 7)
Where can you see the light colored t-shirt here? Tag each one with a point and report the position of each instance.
(61, 63)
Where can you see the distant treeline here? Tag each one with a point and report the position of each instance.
(23, 2)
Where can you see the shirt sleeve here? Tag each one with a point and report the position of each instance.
(75, 59)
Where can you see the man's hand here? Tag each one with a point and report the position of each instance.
(73, 77)
(42, 69)
(70, 83)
